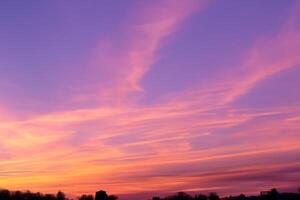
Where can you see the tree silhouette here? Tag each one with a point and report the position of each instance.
(112, 197)
(4, 194)
(213, 196)
(200, 197)
(101, 195)
(179, 196)
(60, 195)
(86, 197)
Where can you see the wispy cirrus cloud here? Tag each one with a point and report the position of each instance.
(127, 60)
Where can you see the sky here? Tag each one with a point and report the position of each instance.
(142, 98)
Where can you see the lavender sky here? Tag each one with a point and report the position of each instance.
(150, 96)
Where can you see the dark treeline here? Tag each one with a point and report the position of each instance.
(265, 195)
(102, 195)
(27, 195)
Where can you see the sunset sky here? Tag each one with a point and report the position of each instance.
(150, 97)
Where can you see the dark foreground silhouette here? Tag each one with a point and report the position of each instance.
(102, 195)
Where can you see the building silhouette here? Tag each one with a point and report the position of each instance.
(101, 195)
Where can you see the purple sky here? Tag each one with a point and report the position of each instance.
(150, 96)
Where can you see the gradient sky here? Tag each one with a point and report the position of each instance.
(150, 96)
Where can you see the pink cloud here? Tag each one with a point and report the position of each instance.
(127, 63)
(189, 129)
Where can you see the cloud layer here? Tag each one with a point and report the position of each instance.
(198, 139)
